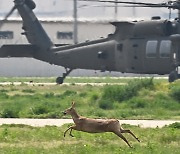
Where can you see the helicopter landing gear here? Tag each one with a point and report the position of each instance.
(174, 75)
(60, 80)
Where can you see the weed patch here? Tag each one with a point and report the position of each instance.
(175, 93)
(123, 93)
(175, 125)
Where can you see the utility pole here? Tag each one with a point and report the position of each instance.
(134, 10)
(116, 10)
(75, 31)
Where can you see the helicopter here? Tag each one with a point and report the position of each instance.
(141, 47)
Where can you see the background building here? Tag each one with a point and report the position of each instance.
(60, 32)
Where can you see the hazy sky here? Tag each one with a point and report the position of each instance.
(64, 8)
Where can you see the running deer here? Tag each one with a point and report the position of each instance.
(95, 125)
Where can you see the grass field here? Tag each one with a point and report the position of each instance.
(72, 79)
(19, 139)
(138, 99)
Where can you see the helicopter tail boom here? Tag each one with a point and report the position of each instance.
(17, 51)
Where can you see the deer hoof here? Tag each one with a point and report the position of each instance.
(138, 140)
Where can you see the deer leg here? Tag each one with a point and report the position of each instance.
(122, 137)
(67, 130)
(128, 131)
(70, 128)
(71, 133)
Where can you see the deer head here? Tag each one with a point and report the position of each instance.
(70, 110)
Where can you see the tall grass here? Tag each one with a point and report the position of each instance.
(139, 99)
(175, 93)
(123, 93)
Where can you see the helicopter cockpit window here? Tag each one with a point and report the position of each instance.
(165, 48)
(151, 49)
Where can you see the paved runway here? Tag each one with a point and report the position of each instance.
(60, 122)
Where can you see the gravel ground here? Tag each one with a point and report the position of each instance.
(60, 122)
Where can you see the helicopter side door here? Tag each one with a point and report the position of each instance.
(178, 59)
(158, 56)
(129, 55)
(176, 56)
(135, 55)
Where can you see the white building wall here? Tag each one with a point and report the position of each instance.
(86, 30)
(32, 67)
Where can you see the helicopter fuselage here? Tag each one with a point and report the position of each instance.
(140, 47)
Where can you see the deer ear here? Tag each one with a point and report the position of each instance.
(73, 104)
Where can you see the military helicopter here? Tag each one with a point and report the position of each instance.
(144, 47)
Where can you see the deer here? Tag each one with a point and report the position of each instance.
(96, 125)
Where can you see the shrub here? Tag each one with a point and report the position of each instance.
(3, 96)
(69, 93)
(49, 95)
(9, 113)
(175, 93)
(137, 103)
(105, 104)
(83, 94)
(175, 125)
(114, 93)
(41, 109)
(3, 91)
(94, 97)
(122, 93)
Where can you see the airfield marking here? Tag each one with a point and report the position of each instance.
(60, 122)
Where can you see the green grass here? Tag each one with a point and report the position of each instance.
(20, 139)
(27, 79)
(139, 99)
(72, 80)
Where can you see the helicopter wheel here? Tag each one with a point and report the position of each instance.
(59, 80)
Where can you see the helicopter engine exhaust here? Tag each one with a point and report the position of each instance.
(158, 27)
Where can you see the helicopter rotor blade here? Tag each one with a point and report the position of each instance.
(7, 16)
(169, 4)
(9, 13)
(151, 6)
(121, 2)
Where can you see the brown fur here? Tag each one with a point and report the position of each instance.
(96, 125)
